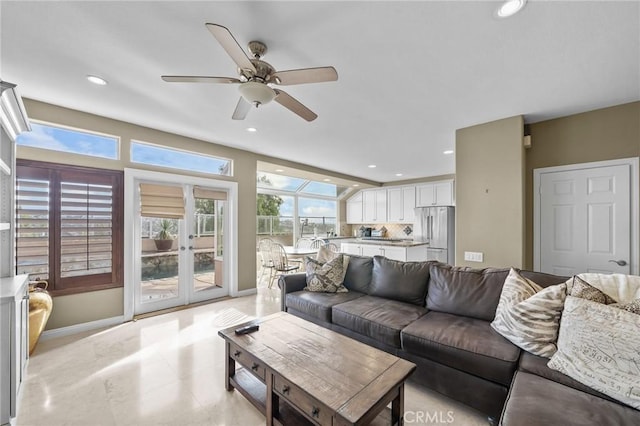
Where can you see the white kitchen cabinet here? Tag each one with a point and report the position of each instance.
(354, 209)
(374, 202)
(405, 254)
(14, 342)
(350, 248)
(401, 202)
(435, 194)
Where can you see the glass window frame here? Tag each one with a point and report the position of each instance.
(117, 139)
(171, 148)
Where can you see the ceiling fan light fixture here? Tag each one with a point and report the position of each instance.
(257, 93)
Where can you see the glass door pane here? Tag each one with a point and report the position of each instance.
(160, 260)
(208, 253)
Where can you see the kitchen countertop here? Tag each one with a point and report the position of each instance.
(401, 243)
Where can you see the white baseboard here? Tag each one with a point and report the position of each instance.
(247, 292)
(79, 328)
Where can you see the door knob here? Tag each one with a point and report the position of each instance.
(619, 262)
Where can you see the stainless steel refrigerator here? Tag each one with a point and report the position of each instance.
(436, 226)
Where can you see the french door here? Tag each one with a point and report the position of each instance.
(180, 235)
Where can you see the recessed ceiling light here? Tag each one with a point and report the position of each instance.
(97, 80)
(279, 170)
(251, 129)
(448, 152)
(372, 166)
(326, 180)
(398, 174)
(355, 184)
(510, 8)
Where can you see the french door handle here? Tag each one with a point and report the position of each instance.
(190, 247)
(619, 262)
(183, 248)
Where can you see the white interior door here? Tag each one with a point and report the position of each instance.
(583, 219)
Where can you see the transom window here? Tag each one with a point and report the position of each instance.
(155, 155)
(65, 139)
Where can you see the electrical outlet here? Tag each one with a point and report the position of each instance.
(473, 256)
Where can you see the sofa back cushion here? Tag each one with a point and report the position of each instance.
(402, 281)
(358, 276)
(465, 291)
(542, 279)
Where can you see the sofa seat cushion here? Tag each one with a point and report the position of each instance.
(318, 305)
(377, 318)
(534, 400)
(538, 365)
(464, 343)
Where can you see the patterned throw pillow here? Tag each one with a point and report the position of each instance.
(584, 290)
(324, 255)
(327, 277)
(529, 315)
(633, 306)
(598, 346)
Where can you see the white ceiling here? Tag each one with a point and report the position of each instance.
(410, 73)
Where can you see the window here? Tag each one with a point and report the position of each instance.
(82, 142)
(69, 226)
(291, 207)
(154, 155)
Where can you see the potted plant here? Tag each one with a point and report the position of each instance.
(164, 238)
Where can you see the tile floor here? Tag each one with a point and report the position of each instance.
(168, 370)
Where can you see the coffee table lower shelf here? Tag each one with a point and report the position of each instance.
(254, 390)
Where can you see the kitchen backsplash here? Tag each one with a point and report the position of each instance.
(393, 230)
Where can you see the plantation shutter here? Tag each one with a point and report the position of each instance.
(211, 194)
(32, 222)
(86, 227)
(161, 201)
(69, 226)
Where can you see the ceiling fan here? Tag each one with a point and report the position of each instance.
(257, 78)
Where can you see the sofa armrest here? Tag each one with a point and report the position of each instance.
(289, 283)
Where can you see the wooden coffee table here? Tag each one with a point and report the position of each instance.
(297, 372)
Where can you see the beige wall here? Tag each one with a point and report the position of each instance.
(75, 309)
(599, 135)
(490, 193)
(86, 307)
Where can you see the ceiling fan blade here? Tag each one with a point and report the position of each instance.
(289, 102)
(305, 75)
(198, 79)
(233, 49)
(242, 109)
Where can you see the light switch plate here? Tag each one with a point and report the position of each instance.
(473, 256)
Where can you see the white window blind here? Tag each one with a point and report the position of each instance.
(85, 228)
(32, 227)
(164, 201)
(211, 194)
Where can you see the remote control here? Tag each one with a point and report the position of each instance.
(247, 329)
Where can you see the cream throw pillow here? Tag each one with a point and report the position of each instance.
(528, 315)
(599, 346)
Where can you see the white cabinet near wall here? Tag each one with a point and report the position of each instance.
(405, 254)
(354, 209)
(435, 194)
(401, 202)
(14, 342)
(374, 202)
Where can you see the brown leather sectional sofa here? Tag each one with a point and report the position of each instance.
(438, 317)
